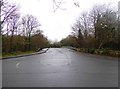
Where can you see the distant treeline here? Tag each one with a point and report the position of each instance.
(21, 43)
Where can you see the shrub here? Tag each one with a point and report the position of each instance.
(104, 51)
(91, 50)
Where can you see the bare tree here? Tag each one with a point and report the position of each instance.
(9, 17)
(7, 10)
(81, 28)
(100, 18)
(100, 24)
(13, 27)
(30, 24)
(77, 30)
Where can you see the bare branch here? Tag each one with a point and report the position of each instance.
(57, 4)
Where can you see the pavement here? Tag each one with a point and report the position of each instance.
(60, 67)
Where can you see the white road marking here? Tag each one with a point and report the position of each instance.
(17, 65)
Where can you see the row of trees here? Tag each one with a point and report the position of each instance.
(95, 29)
(20, 33)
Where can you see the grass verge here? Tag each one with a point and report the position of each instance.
(106, 52)
(15, 53)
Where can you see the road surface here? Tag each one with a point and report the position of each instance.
(61, 67)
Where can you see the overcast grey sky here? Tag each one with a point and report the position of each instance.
(57, 25)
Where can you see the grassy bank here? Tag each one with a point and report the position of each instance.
(15, 53)
(107, 52)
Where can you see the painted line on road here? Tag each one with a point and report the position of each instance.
(17, 65)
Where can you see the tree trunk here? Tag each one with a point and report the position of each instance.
(29, 42)
(11, 41)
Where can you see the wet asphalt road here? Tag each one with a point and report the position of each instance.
(61, 67)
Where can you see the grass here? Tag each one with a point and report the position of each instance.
(15, 53)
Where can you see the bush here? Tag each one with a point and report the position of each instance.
(91, 50)
(104, 51)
